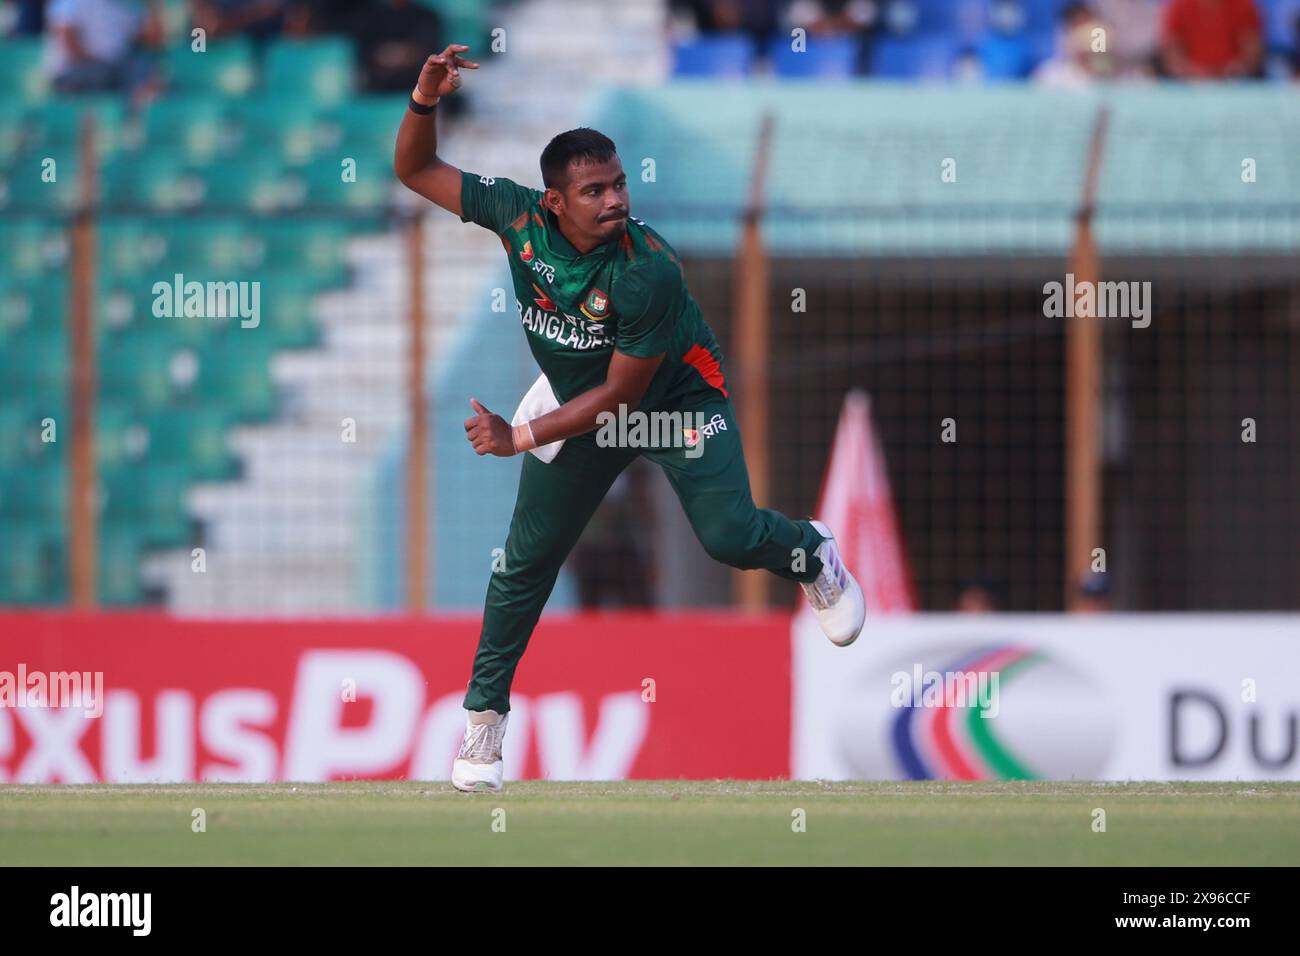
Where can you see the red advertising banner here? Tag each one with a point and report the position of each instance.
(596, 697)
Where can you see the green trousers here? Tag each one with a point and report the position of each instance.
(557, 499)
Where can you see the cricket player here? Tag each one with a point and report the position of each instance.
(604, 304)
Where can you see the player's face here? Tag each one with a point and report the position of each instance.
(595, 199)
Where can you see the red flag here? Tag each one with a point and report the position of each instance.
(858, 506)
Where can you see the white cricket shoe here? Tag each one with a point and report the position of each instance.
(478, 766)
(835, 596)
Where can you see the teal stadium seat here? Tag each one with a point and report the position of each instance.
(160, 182)
(195, 128)
(32, 566)
(146, 371)
(23, 430)
(315, 247)
(316, 71)
(35, 361)
(287, 302)
(32, 248)
(235, 374)
(226, 68)
(288, 130)
(253, 183)
(325, 186)
(120, 550)
(21, 72)
(14, 131)
(149, 501)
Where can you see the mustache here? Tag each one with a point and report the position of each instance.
(610, 218)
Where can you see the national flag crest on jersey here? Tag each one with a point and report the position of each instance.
(597, 305)
(526, 253)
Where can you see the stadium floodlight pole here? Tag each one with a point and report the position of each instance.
(753, 345)
(417, 451)
(83, 543)
(1083, 391)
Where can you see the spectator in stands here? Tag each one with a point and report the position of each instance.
(28, 18)
(100, 45)
(1082, 55)
(979, 596)
(1133, 35)
(838, 18)
(1212, 39)
(393, 40)
(1094, 594)
(758, 18)
(254, 18)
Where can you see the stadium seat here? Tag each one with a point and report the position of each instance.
(23, 431)
(34, 493)
(146, 371)
(323, 183)
(291, 130)
(149, 500)
(14, 131)
(21, 70)
(822, 59)
(226, 68)
(28, 302)
(159, 182)
(193, 440)
(1042, 16)
(929, 57)
(317, 247)
(287, 304)
(195, 128)
(130, 248)
(1005, 57)
(364, 126)
(318, 71)
(235, 374)
(196, 439)
(1282, 24)
(210, 244)
(31, 248)
(727, 56)
(35, 362)
(58, 125)
(955, 17)
(253, 183)
(32, 564)
(120, 550)
(44, 180)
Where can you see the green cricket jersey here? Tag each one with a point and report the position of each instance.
(627, 294)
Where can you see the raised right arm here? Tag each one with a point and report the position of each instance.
(415, 157)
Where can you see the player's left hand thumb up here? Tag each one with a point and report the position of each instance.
(488, 433)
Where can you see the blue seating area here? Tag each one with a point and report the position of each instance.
(929, 40)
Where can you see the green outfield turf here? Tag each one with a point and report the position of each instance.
(675, 822)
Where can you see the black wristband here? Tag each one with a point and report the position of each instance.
(420, 108)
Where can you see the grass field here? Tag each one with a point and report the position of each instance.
(640, 823)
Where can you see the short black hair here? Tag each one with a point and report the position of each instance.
(583, 144)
